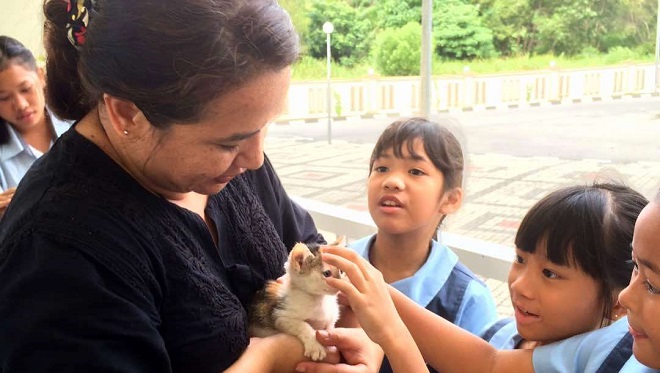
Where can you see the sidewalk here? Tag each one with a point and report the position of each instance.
(499, 189)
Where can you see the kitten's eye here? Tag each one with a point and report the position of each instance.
(327, 273)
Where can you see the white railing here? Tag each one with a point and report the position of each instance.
(400, 95)
(486, 259)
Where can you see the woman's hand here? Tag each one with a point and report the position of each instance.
(5, 198)
(278, 353)
(360, 354)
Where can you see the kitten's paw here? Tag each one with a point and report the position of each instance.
(314, 350)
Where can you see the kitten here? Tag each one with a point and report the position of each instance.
(301, 304)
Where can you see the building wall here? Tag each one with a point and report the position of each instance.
(23, 20)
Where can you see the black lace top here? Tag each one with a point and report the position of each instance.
(99, 275)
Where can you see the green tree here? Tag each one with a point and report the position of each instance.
(459, 32)
(298, 11)
(350, 41)
(571, 26)
(568, 28)
(397, 13)
(511, 24)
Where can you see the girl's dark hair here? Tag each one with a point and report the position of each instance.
(440, 145)
(590, 227)
(169, 57)
(13, 51)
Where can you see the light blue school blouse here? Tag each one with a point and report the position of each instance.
(16, 156)
(586, 352)
(502, 334)
(445, 287)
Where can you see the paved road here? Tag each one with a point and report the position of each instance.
(625, 130)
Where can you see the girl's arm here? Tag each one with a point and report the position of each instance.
(445, 346)
(448, 348)
(368, 296)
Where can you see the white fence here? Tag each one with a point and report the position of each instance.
(401, 95)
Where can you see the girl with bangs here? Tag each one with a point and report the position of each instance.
(415, 181)
(572, 252)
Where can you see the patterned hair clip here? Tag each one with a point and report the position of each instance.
(78, 18)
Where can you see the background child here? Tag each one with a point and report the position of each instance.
(572, 251)
(27, 129)
(451, 349)
(415, 178)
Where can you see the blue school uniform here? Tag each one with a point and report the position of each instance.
(444, 286)
(502, 334)
(17, 156)
(604, 350)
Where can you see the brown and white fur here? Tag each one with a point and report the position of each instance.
(301, 304)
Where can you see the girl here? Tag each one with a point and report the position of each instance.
(457, 351)
(27, 128)
(415, 178)
(571, 262)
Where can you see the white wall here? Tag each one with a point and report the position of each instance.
(23, 20)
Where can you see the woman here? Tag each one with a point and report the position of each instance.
(27, 128)
(137, 241)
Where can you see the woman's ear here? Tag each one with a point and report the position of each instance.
(452, 200)
(124, 115)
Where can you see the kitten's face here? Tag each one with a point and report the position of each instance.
(307, 270)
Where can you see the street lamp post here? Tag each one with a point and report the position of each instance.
(657, 47)
(427, 59)
(328, 28)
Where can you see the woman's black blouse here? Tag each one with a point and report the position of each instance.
(99, 275)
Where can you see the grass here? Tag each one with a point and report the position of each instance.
(312, 69)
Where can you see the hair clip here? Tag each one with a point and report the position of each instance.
(78, 12)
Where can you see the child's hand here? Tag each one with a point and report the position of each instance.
(367, 294)
(5, 198)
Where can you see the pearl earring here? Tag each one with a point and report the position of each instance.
(125, 133)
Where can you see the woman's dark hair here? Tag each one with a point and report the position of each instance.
(589, 227)
(440, 145)
(169, 57)
(13, 51)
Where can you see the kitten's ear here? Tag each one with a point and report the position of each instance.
(340, 241)
(298, 255)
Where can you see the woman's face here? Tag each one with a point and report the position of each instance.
(642, 296)
(22, 99)
(203, 157)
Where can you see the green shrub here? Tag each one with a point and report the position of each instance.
(620, 54)
(398, 51)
